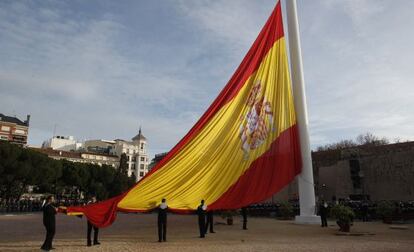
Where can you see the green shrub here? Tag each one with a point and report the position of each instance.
(385, 209)
(285, 210)
(342, 214)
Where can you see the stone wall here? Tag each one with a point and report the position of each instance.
(378, 172)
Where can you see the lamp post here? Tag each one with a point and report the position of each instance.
(323, 196)
(362, 182)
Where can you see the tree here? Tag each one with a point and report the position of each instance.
(20, 167)
(367, 139)
(370, 139)
(123, 164)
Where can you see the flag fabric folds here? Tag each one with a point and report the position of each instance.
(242, 150)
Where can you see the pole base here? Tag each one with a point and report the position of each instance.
(307, 219)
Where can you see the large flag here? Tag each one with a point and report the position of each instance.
(242, 150)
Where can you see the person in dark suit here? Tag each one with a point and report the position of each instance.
(244, 215)
(162, 221)
(209, 222)
(95, 229)
(323, 211)
(49, 221)
(201, 212)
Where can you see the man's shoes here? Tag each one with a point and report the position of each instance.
(212, 232)
(96, 243)
(89, 244)
(165, 240)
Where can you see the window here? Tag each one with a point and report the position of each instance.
(142, 146)
(141, 174)
(19, 131)
(142, 158)
(142, 166)
(5, 128)
(4, 138)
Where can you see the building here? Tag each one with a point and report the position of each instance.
(384, 172)
(62, 143)
(81, 157)
(156, 160)
(100, 146)
(136, 153)
(14, 130)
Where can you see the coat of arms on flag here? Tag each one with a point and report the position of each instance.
(257, 123)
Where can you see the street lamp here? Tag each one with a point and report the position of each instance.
(361, 177)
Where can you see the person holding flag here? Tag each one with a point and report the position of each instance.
(201, 212)
(162, 221)
(95, 229)
(49, 221)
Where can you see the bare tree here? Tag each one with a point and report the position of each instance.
(367, 139)
(370, 139)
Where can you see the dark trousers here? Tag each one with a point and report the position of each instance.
(50, 233)
(324, 220)
(202, 226)
(95, 233)
(209, 223)
(162, 230)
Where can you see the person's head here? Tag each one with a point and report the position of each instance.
(163, 200)
(93, 199)
(202, 202)
(50, 199)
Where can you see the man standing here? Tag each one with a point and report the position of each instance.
(162, 221)
(209, 222)
(323, 211)
(49, 221)
(201, 212)
(95, 229)
(244, 215)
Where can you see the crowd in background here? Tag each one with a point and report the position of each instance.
(33, 205)
(364, 210)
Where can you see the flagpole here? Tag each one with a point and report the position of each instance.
(305, 179)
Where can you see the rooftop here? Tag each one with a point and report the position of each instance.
(13, 119)
(139, 137)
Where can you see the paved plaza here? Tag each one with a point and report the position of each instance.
(137, 232)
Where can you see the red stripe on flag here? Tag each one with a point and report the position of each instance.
(266, 175)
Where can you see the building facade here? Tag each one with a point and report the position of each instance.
(14, 130)
(156, 160)
(81, 157)
(64, 143)
(384, 172)
(135, 151)
(100, 146)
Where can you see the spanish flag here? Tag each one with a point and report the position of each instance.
(242, 150)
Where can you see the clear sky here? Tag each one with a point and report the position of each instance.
(99, 69)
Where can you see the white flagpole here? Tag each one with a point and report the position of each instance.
(305, 179)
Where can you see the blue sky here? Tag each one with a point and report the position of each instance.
(100, 69)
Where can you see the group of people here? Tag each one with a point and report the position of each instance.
(205, 222)
(49, 221)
